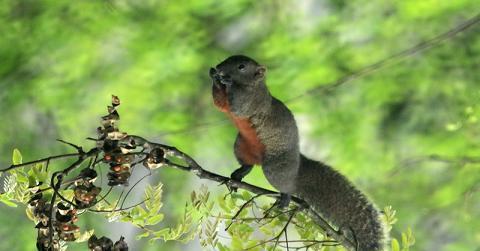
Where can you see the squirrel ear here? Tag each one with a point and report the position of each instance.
(260, 72)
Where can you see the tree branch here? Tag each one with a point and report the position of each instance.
(195, 168)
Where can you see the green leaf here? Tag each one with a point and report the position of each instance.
(408, 239)
(221, 247)
(22, 178)
(155, 219)
(404, 241)
(395, 245)
(7, 202)
(142, 235)
(29, 213)
(38, 173)
(246, 195)
(163, 233)
(17, 157)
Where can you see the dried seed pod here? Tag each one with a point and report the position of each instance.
(87, 175)
(42, 226)
(100, 131)
(125, 150)
(120, 178)
(155, 159)
(68, 228)
(110, 109)
(43, 244)
(123, 159)
(86, 196)
(62, 208)
(115, 101)
(33, 202)
(102, 244)
(67, 236)
(120, 168)
(157, 155)
(116, 135)
(34, 188)
(42, 211)
(120, 245)
(111, 117)
(127, 144)
(63, 218)
(68, 232)
(107, 157)
(110, 146)
(108, 124)
(116, 168)
(42, 236)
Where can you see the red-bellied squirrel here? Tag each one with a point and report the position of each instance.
(268, 136)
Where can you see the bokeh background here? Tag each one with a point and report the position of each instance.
(61, 60)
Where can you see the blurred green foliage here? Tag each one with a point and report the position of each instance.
(61, 60)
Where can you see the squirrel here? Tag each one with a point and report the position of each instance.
(268, 136)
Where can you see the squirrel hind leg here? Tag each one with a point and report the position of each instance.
(283, 201)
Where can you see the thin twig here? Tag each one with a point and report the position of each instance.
(118, 209)
(105, 196)
(241, 209)
(132, 187)
(277, 237)
(78, 148)
(413, 162)
(68, 155)
(284, 230)
(367, 70)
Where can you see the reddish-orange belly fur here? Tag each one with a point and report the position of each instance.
(250, 149)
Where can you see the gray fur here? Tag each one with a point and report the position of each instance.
(326, 190)
(338, 201)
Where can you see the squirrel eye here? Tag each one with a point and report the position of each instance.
(241, 67)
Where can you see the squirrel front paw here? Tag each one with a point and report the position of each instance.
(241, 172)
(237, 175)
(219, 77)
(216, 78)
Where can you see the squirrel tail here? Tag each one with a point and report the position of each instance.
(332, 196)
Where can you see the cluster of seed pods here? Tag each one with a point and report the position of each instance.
(105, 244)
(41, 211)
(61, 225)
(115, 149)
(85, 192)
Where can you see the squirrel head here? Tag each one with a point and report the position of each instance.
(238, 70)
